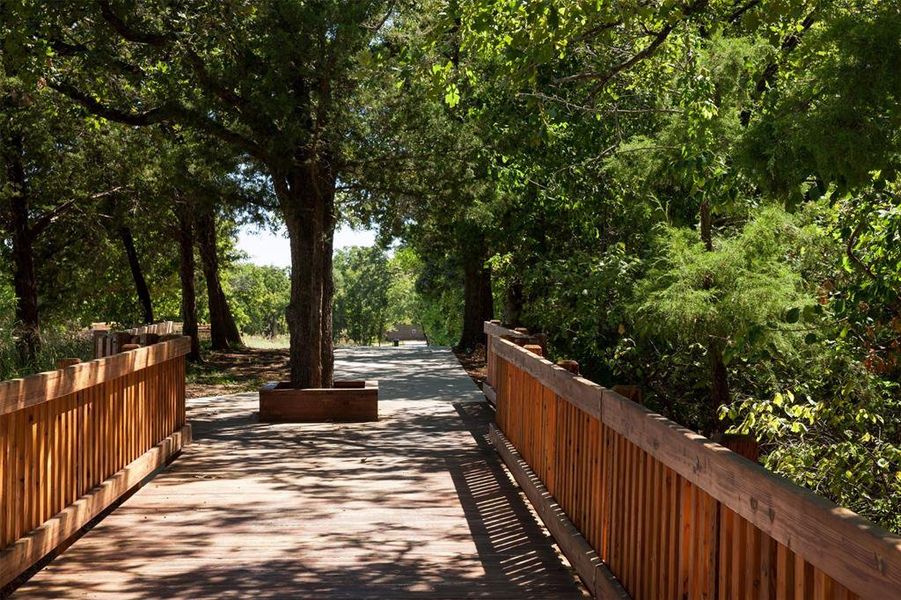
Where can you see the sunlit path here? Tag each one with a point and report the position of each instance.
(415, 505)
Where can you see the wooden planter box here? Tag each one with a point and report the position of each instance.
(350, 401)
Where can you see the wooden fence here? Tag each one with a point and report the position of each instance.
(665, 511)
(72, 441)
(108, 342)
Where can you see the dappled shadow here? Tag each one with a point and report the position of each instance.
(415, 505)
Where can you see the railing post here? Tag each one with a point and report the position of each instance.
(102, 428)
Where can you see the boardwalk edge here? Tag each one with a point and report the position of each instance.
(29, 550)
(591, 569)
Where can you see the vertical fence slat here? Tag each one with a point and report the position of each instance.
(54, 449)
(657, 525)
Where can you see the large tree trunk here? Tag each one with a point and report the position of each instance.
(513, 305)
(137, 273)
(307, 200)
(328, 294)
(186, 274)
(27, 328)
(478, 302)
(719, 375)
(224, 332)
(719, 389)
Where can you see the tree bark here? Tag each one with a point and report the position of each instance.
(478, 302)
(719, 375)
(328, 294)
(186, 274)
(719, 389)
(224, 332)
(27, 328)
(514, 303)
(706, 225)
(307, 198)
(137, 273)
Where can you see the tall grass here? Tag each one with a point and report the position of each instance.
(55, 345)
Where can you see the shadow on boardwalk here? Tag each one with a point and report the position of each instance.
(415, 505)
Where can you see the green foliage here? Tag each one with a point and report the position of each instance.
(56, 344)
(363, 278)
(259, 296)
(616, 165)
(605, 131)
(838, 118)
(840, 438)
(736, 293)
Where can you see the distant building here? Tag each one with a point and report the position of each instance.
(405, 333)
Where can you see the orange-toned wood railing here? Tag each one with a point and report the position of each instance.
(107, 341)
(672, 514)
(73, 440)
(493, 331)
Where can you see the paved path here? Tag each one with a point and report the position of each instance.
(415, 505)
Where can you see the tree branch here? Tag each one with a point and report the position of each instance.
(49, 217)
(157, 40)
(790, 43)
(152, 116)
(604, 77)
(164, 41)
(161, 114)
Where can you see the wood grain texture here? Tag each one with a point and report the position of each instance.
(67, 457)
(28, 550)
(279, 403)
(680, 515)
(16, 394)
(490, 394)
(495, 330)
(416, 505)
(581, 392)
(594, 573)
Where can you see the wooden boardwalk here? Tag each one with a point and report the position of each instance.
(416, 505)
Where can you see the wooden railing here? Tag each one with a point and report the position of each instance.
(493, 331)
(669, 513)
(74, 440)
(108, 342)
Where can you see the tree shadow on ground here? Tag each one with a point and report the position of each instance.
(414, 505)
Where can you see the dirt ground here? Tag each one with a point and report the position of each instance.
(475, 364)
(236, 371)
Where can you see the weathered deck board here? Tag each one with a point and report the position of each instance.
(415, 505)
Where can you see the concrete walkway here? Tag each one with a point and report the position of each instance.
(416, 505)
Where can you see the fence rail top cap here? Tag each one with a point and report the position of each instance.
(16, 394)
(870, 562)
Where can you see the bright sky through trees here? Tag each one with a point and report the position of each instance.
(264, 247)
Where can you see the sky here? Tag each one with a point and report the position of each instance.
(266, 248)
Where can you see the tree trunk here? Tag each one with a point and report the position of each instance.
(719, 390)
(706, 226)
(328, 295)
(224, 332)
(307, 200)
(27, 327)
(186, 273)
(478, 303)
(719, 375)
(136, 273)
(514, 303)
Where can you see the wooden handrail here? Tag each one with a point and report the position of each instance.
(74, 440)
(842, 549)
(16, 394)
(493, 329)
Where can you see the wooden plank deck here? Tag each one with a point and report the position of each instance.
(416, 505)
